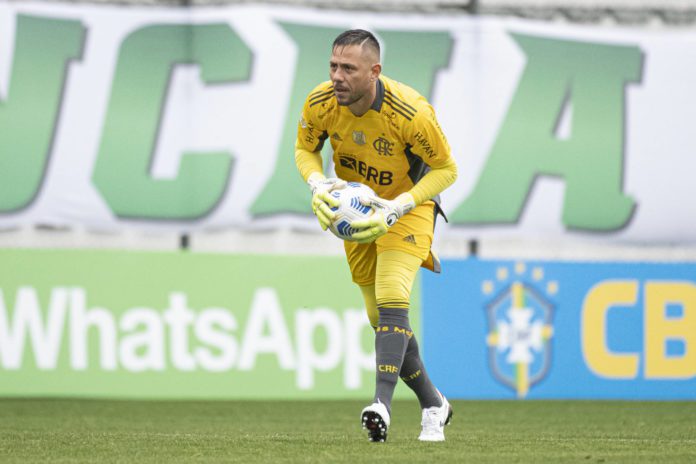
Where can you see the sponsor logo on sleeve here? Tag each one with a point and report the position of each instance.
(425, 145)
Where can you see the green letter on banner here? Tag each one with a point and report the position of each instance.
(28, 116)
(285, 191)
(590, 78)
(138, 97)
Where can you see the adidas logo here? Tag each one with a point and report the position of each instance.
(410, 239)
(335, 136)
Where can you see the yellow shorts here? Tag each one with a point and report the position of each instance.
(412, 234)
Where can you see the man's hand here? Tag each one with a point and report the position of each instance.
(387, 212)
(322, 201)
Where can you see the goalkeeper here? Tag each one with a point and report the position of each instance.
(385, 135)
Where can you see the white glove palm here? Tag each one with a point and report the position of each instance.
(322, 201)
(387, 212)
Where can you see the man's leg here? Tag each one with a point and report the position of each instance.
(414, 375)
(395, 346)
(400, 254)
(394, 276)
(412, 369)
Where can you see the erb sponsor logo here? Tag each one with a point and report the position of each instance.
(367, 172)
(519, 317)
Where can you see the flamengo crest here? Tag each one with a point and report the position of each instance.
(383, 146)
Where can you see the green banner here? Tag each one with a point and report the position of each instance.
(182, 325)
(178, 119)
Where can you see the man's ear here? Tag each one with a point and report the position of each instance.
(376, 71)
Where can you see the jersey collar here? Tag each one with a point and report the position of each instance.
(379, 97)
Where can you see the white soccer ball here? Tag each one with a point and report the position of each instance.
(350, 209)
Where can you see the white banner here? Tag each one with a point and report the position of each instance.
(185, 119)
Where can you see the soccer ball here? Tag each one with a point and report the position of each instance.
(350, 209)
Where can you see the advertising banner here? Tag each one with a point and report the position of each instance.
(179, 325)
(504, 329)
(185, 118)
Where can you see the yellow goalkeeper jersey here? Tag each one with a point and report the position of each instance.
(389, 148)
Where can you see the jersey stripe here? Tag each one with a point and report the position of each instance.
(322, 99)
(313, 94)
(397, 99)
(398, 110)
(321, 95)
(395, 105)
(390, 99)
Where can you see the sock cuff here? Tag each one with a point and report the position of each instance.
(393, 316)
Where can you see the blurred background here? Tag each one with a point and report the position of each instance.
(157, 241)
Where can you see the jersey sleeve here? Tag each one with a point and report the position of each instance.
(427, 141)
(310, 133)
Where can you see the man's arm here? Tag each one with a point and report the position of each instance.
(310, 139)
(435, 181)
(428, 142)
(311, 135)
(309, 164)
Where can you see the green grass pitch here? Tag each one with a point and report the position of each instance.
(329, 431)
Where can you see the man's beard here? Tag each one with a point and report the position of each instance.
(349, 101)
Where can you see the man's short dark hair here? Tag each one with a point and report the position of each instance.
(357, 37)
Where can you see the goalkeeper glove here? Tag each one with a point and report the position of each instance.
(387, 212)
(322, 201)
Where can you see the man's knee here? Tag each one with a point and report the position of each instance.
(395, 273)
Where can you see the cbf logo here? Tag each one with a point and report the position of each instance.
(519, 326)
